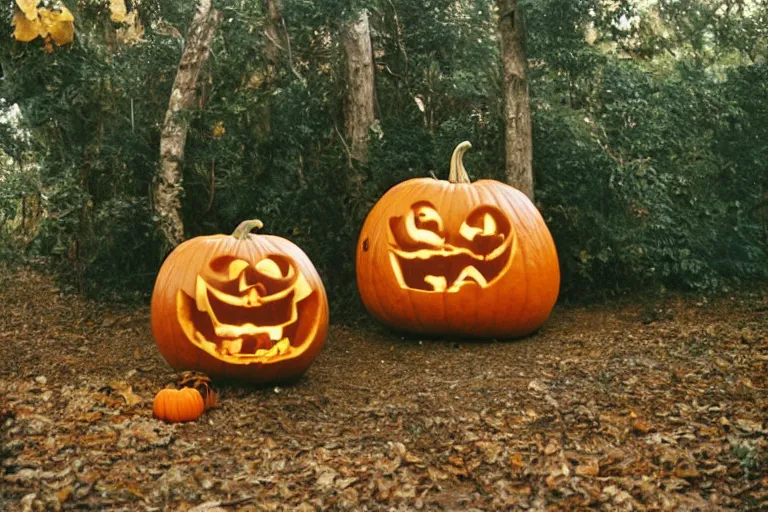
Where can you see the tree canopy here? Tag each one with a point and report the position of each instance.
(650, 131)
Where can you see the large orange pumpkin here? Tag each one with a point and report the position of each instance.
(457, 258)
(245, 307)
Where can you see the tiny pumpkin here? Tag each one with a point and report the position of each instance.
(457, 258)
(239, 307)
(178, 405)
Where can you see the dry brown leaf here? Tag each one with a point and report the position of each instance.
(208, 506)
(126, 391)
(412, 459)
(750, 426)
(436, 475)
(325, 480)
(343, 483)
(641, 427)
(552, 447)
(64, 493)
(686, 469)
(517, 460)
(588, 467)
(349, 499)
(455, 470)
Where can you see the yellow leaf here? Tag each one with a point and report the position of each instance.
(118, 10)
(58, 24)
(219, 130)
(63, 14)
(25, 30)
(29, 7)
(133, 30)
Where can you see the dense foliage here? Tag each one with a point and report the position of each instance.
(650, 134)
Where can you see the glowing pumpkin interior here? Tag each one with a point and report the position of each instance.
(242, 313)
(426, 256)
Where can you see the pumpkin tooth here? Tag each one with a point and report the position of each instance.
(467, 274)
(232, 347)
(438, 283)
(253, 297)
(275, 333)
(275, 350)
(283, 346)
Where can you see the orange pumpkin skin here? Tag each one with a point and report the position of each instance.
(178, 405)
(457, 258)
(219, 301)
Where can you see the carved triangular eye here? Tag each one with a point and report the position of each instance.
(235, 268)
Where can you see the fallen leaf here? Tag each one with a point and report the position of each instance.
(208, 506)
(517, 460)
(589, 467)
(537, 386)
(126, 391)
(686, 470)
(325, 480)
(640, 426)
(64, 493)
(552, 447)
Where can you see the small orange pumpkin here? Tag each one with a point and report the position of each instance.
(457, 258)
(178, 405)
(241, 307)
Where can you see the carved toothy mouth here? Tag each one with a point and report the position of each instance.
(425, 256)
(449, 268)
(250, 318)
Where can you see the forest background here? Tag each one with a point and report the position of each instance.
(650, 133)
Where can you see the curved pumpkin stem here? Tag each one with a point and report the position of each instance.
(241, 232)
(458, 172)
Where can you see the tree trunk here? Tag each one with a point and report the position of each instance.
(517, 111)
(272, 45)
(174, 134)
(359, 111)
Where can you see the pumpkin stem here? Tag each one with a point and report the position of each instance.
(245, 227)
(458, 172)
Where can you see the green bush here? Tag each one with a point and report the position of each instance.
(650, 170)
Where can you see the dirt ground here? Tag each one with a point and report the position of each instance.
(654, 406)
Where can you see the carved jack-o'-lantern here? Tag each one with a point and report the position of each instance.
(245, 306)
(457, 258)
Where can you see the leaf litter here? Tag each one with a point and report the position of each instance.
(600, 410)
